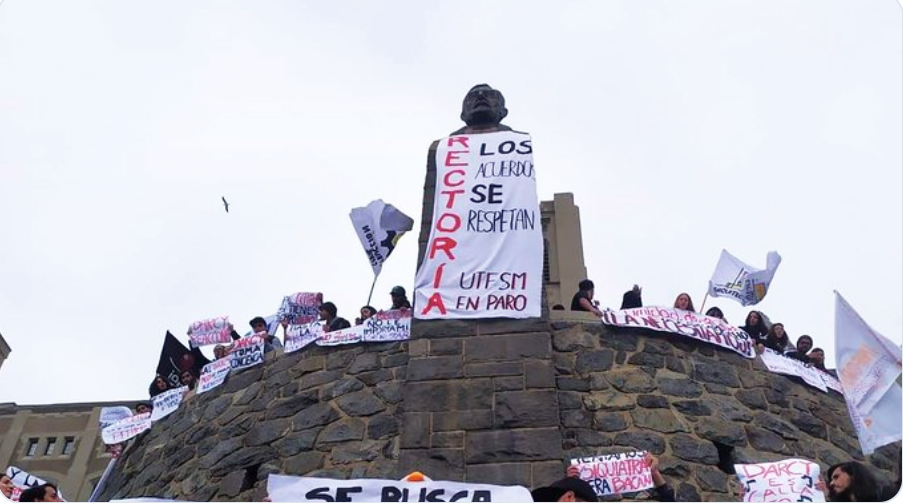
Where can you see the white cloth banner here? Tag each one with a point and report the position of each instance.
(167, 402)
(350, 335)
(299, 336)
(740, 281)
(781, 364)
(247, 353)
(379, 226)
(110, 415)
(676, 321)
(212, 331)
(785, 480)
(121, 431)
(213, 374)
(485, 252)
(387, 326)
(294, 489)
(615, 473)
(868, 365)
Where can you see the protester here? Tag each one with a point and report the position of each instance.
(777, 339)
(684, 302)
(43, 492)
(188, 379)
(159, 385)
(633, 298)
(566, 489)
(715, 312)
(144, 407)
(817, 358)
(399, 298)
(803, 345)
(366, 313)
(755, 326)
(583, 299)
(220, 351)
(6, 485)
(851, 481)
(661, 491)
(260, 329)
(329, 314)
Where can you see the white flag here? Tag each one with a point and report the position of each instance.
(379, 227)
(868, 365)
(740, 281)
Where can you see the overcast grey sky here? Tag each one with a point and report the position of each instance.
(681, 128)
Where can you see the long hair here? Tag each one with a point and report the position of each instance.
(757, 331)
(772, 341)
(690, 304)
(863, 484)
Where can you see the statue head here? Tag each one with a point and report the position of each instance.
(483, 106)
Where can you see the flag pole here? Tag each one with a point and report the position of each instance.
(103, 479)
(372, 285)
(702, 309)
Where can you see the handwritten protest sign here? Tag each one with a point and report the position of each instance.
(110, 415)
(697, 326)
(345, 336)
(299, 336)
(484, 258)
(387, 326)
(247, 353)
(213, 374)
(786, 480)
(288, 488)
(127, 428)
(167, 402)
(212, 331)
(781, 364)
(615, 473)
(300, 308)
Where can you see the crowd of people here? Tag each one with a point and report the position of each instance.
(41, 492)
(761, 330)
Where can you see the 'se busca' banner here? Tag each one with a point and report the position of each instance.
(290, 488)
(676, 321)
(485, 250)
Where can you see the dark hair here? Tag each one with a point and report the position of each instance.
(330, 308)
(689, 303)
(371, 309)
(715, 312)
(557, 307)
(153, 386)
(586, 285)
(817, 349)
(863, 484)
(811, 342)
(256, 320)
(36, 493)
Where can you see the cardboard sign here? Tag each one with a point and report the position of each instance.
(300, 308)
(287, 488)
(212, 331)
(299, 336)
(676, 321)
(167, 402)
(213, 374)
(615, 473)
(127, 428)
(387, 326)
(786, 480)
(247, 353)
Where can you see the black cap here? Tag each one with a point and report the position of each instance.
(397, 290)
(581, 488)
(257, 320)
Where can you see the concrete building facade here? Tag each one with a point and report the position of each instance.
(563, 266)
(59, 443)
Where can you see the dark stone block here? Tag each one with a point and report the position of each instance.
(658, 347)
(247, 395)
(692, 408)
(439, 367)
(675, 364)
(621, 357)
(673, 467)
(610, 421)
(570, 400)
(572, 384)
(350, 428)
(364, 362)
(643, 359)
(507, 347)
(293, 443)
(242, 379)
(353, 453)
(631, 380)
(662, 420)
(502, 326)
(238, 428)
(594, 361)
(290, 406)
(446, 464)
(231, 414)
(444, 396)
(514, 383)
(494, 369)
(376, 377)
(563, 363)
(241, 459)
(725, 407)
(706, 350)
(307, 364)
(652, 402)
(501, 474)
(609, 400)
(716, 372)
(447, 439)
(318, 379)
(390, 392)
(619, 341)
(526, 409)
(381, 426)
(316, 415)
(591, 438)
(446, 347)
(360, 403)
(691, 449)
(572, 339)
(752, 398)
(679, 387)
(214, 408)
(597, 382)
(269, 396)
(432, 329)
(392, 361)
(462, 420)
(546, 472)
(513, 445)
(340, 359)
(717, 389)
(718, 430)
(765, 440)
(769, 422)
(230, 486)
(687, 492)
(851, 446)
(776, 397)
(808, 424)
(711, 479)
(415, 430)
(267, 431)
(539, 374)
(641, 440)
(304, 463)
(576, 418)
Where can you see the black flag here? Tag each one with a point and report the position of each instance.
(175, 357)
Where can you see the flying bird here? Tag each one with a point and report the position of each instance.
(226, 204)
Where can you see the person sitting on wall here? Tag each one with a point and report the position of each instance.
(366, 313)
(715, 312)
(159, 385)
(633, 298)
(144, 407)
(817, 360)
(188, 379)
(583, 299)
(777, 340)
(803, 345)
(684, 303)
(399, 298)
(260, 328)
(221, 351)
(755, 327)
(329, 314)
(43, 492)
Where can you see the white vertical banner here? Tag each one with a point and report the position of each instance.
(485, 251)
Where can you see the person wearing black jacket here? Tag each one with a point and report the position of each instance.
(633, 298)
(755, 327)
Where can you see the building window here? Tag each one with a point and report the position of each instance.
(51, 445)
(68, 445)
(32, 447)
